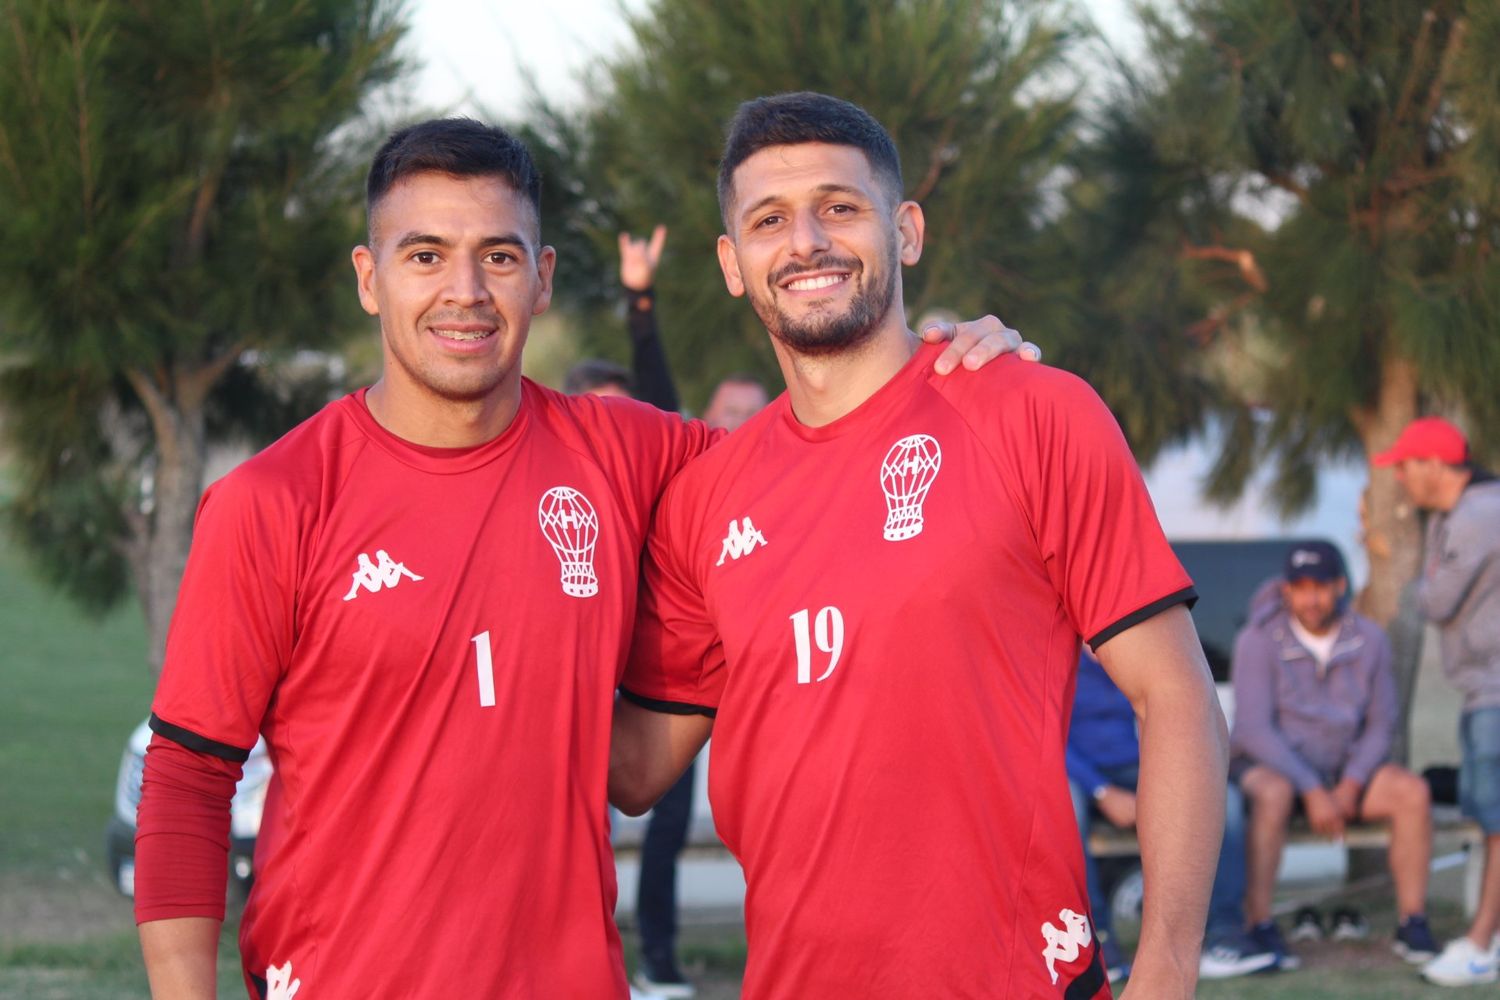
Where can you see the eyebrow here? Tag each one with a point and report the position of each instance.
(821, 189)
(413, 239)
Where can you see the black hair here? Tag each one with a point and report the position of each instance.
(800, 117)
(459, 147)
(591, 373)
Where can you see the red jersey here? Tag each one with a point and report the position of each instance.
(885, 614)
(429, 640)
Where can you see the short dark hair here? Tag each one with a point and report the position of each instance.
(459, 147)
(590, 373)
(805, 116)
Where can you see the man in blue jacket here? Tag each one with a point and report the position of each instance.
(1315, 715)
(1103, 761)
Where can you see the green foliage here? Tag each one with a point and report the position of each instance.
(973, 92)
(1349, 150)
(180, 184)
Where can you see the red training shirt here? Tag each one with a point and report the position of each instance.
(429, 640)
(885, 613)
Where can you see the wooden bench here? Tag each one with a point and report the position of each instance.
(1449, 826)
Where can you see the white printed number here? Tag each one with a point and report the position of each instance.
(486, 665)
(827, 631)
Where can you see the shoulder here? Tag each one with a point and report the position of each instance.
(294, 470)
(1369, 630)
(1477, 508)
(1011, 382)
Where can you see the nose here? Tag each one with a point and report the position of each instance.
(808, 237)
(466, 284)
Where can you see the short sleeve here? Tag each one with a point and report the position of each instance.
(1096, 526)
(231, 633)
(676, 661)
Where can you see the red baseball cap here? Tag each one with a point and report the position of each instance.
(1427, 437)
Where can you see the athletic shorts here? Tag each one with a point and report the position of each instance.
(1479, 777)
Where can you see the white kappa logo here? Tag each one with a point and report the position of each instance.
(742, 538)
(279, 983)
(571, 527)
(1064, 945)
(385, 572)
(906, 474)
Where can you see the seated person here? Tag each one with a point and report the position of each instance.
(1315, 715)
(1103, 761)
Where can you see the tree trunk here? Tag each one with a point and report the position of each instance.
(181, 455)
(1393, 538)
(1392, 535)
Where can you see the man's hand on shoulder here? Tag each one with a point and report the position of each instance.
(976, 343)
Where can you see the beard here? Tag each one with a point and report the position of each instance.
(825, 332)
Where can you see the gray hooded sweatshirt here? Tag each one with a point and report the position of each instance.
(1460, 590)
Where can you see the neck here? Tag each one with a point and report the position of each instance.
(423, 418)
(823, 388)
(1330, 626)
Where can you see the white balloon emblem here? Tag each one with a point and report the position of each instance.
(569, 523)
(906, 475)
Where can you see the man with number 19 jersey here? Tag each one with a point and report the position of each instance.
(884, 614)
(428, 638)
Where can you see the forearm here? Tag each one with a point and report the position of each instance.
(648, 359)
(1180, 818)
(648, 752)
(181, 957)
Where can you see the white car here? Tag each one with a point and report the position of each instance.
(244, 814)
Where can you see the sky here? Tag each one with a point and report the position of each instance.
(474, 58)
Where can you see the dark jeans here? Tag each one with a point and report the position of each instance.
(1226, 904)
(656, 895)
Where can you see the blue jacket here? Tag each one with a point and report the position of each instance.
(1101, 735)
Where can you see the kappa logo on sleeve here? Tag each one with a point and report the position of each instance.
(742, 539)
(1064, 944)
(372, 576)
(906, 474)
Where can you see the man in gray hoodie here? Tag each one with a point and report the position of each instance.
(1315, 715)
(1460, 593)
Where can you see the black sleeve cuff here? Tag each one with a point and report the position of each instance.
(193, 741)
(667, 707)
(1187, 596)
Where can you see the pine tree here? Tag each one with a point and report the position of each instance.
(1322, 186)
(973, 92)
(179, 188)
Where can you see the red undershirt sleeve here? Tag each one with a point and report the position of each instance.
(182, 832)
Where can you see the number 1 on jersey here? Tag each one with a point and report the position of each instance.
(486, 666)
(827, 630)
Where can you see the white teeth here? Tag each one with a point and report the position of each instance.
(809, 284)
(461, 334)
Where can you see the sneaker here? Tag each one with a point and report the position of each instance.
(1307, 925)
(1349, 925)
(1267, 937)
(1233, 955)
(1463, 963)
(666, 982)
(1414, 941)
(1115, 966)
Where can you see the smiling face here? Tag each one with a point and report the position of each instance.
(816, 241)
(455, 271)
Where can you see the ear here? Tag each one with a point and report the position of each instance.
(364, 273)
(546, 264)
(729, 263)
(911, 227)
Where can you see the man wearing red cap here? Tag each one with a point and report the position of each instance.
(1460, 594)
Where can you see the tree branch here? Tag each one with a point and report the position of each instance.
(1243, 260)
